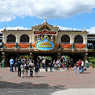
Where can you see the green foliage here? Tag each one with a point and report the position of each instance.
(24, 56)
(45, 57)
(48, 57)
(93, 65)
(92, 60)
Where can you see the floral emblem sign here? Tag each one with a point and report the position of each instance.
(45, 45)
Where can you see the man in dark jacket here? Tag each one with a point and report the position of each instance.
(19, 69)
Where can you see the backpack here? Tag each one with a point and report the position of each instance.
(31, 64)
(27, 67)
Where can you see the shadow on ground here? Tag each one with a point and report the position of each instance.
(86, 72)
(28, 85)
(7, 88)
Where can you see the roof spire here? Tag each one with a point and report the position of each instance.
(45, 20)
(4, 28)
(84, 30)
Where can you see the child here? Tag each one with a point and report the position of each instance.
(63, 66)
(84, 68)
(75, 68)
(70, 67)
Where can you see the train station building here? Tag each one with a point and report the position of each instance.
(47, 40)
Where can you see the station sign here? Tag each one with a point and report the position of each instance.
(45, 32)
(45, 45)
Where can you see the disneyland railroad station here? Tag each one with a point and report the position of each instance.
(46, 40)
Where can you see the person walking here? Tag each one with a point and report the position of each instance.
(79, 66)
(63, 65)
(11, 64)
(46, 64)
(19, 69)
(15, 64)
(31, 67)
(38, 62)
(58, 64)
(50, 64)
(75, 68)
(82, 66)
(26, 69)
(22, 69)
(67, 63)
(36, 69)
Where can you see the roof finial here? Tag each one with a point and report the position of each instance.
(84, 30)
(45, 20)
(4, 28)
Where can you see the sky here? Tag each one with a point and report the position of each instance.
(66, 14)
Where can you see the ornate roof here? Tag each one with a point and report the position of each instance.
(45, 25)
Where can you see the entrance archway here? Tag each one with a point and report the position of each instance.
(52, 55)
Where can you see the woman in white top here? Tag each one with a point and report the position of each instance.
(82, 66)
(22, 70)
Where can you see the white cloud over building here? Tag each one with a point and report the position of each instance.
(10, 9)
(90, 31)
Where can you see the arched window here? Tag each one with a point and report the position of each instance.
(65, 39)
(11, 38)
(24, 38)
(78, 39)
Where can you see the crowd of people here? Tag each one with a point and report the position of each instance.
(25, 65)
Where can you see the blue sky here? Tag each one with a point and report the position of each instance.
(67, 14)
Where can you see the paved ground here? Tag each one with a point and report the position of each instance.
(47, 91)
(48, 83)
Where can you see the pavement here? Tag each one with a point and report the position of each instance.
(60, 82)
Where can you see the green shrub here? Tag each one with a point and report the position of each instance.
(93, 65)
(92, 60)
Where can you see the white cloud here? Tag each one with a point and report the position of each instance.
(14, 28)
(66, 28)
(1, 30)
(90, 31)
(10, 9)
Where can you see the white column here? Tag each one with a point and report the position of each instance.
(71, 39)
(16, 38)
(30, 37)
(85, 39)
(3, 39)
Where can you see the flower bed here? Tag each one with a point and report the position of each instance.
(56, 45)
(80, 46)
(23, 45)
(9, 45)
(33, 44)
(66, 46)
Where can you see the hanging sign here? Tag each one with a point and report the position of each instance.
(45, 45)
